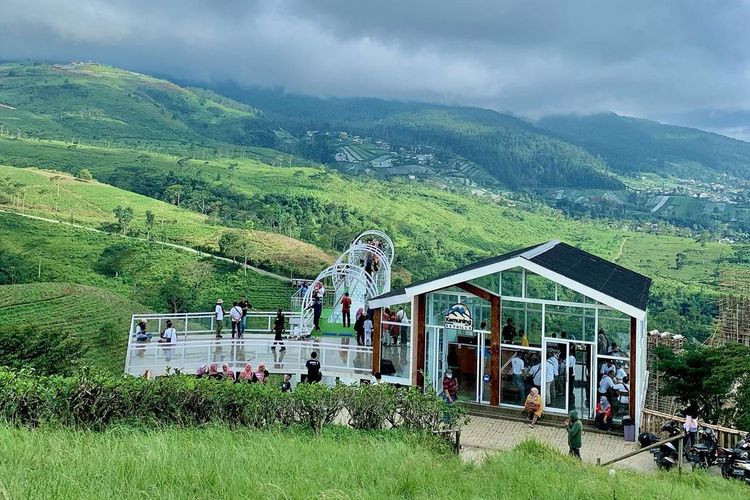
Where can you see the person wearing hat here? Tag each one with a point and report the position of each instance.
(219, 317)
(450, 387)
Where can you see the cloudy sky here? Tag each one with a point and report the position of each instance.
(683, 61)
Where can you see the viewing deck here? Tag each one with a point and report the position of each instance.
(197, 346)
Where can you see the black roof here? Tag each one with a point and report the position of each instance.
(582, 267)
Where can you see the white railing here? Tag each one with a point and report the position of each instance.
(341, 360)
(201, 323)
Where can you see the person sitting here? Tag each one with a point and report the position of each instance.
(621, 391)
(286, 385)
(606, 383)
(213, 372)
(533, 406)
(261, 374)
(613, 350)
(229, 374)
(141, 335)
(313, 369)
(603, 414)
(246, 375)
(201, 371)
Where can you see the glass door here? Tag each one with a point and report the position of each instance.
(578, 369)
(567, 377)
(485, 340)
(555, 381)
(461, 358)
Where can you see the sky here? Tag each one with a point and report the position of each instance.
(685, 62)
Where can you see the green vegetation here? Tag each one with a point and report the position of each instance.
(341, 463)
(152, 275)
(714, 379)
(55, 327)
(60, 196)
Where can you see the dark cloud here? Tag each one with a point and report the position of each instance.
(671, 60)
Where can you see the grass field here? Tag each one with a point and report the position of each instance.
(45, 252)
(218, 463)
(60, 196)
(99, 320)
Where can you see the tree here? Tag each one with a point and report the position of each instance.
(679, 260)
(47, 349)
(84, 175)
(199, 272)
(714, 379)
(124, 216)
(150, 219)
(238, 244)
(173, 193)
(177, 294)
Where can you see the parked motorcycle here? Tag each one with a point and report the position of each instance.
(736, 461)
(705, 453)
(666, 456)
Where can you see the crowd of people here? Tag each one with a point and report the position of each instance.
(237, 314)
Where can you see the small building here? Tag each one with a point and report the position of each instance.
(550, 315)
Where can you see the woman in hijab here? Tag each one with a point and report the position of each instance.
(246, 375)
(533, 406)
(227, 372)
(603, 417)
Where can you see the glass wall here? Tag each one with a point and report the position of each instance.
(614, 333)
(570, 322)
(526, 321)
(516, 376)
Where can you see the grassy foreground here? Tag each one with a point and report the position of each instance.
(218, 463)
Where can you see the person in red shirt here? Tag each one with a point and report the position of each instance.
(346, 306)
(450, 387)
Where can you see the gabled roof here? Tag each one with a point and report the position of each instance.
(600, 279)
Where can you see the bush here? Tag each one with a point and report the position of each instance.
(97, 402)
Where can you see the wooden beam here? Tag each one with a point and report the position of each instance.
(376, 336)
(419, 317)
(495, 350)
(633, 396)
(480, 292)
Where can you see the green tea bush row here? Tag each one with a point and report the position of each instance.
(96, 402)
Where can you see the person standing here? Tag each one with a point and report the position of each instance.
(549, 380)
(517, 365)
(575, 434)
(219, 317)
(509, 332)
(313, 369)
(317, 307)
(691, 425)
(346, 307)
(278, 330)
(246, 306)
(368, 326)
(359, 327)
(235, 314)
(402, 318)
(169, 339)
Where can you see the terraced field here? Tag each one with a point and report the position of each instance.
(96, 318)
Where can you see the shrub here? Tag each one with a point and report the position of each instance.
(97, 402)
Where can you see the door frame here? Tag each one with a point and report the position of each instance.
(592, 380)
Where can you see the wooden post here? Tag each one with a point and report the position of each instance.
(419, 317)
(376, 342)
(495, 351)
(633, 378)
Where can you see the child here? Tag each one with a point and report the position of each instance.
(286, 385)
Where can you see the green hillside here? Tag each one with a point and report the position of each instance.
(160, 278)
(60, 196)
(98, 320)
(281, 465)
(632, 145)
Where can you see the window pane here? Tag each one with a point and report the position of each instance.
(538, 287)
(515, 380)
(614, 334)
(613, 383)
(512, 282)
(523, 316)
(489, 282)
(569, 322)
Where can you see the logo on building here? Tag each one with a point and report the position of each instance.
(459, 318)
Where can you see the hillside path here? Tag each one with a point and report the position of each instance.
(485, 435)
(621, 249)
(162, 243)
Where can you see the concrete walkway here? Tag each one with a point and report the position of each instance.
(486, 435)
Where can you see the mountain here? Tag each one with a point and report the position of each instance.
(631, 145)
(516, 153)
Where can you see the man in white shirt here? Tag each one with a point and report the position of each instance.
(621, 373)
(219, 317)
(517, 365)
(536, 373)
(236, 315)
(607, 366)
(549, 379)
(403, 330)
(606, 383)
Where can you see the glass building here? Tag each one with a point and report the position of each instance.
(550, 316)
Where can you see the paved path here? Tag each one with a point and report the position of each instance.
(485, 435)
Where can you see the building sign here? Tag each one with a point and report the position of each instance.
(459, 318)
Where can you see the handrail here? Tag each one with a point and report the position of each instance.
(647, 448)
(725, 436)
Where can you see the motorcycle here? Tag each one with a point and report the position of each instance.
(736, 461)
(705, 453)
(666, 456)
